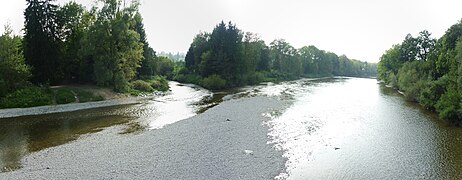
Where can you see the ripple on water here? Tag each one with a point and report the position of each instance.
(347, 128)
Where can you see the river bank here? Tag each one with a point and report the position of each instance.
(17, 112)
(204, 146)
(110, 99)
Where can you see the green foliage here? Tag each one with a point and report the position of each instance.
(27, 97)
(243, 58)
(160, 83)
(64, 96)
(14, 73)
(120, 82)
(428, 71)
(105, 45)
(72, 24)
(448, 106)
(166, 66)
(42, 43)
(410, 80)
(149, 66)
(432, 92)
(188, 78)
(115, 47)
(214, 82)
(141, 85)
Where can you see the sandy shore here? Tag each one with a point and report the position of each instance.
(206, 146)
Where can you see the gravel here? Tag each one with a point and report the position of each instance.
(206, 146)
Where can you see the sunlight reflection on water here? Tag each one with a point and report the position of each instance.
(346, 128)
(179, 104)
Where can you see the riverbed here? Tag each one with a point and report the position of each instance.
(335, 128)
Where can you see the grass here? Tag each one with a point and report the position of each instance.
(149, 85)
(64, 96)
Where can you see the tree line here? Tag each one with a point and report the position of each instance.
(105, 45)
(229, 57)
(428, 71)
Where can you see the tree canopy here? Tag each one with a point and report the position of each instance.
(428, 71)
(241, 58)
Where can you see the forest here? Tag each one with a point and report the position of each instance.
(228, 57)
(106, 45)
(428, 71)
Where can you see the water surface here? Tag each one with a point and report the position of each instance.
(334, 128)
(21, 136)
(350, 128)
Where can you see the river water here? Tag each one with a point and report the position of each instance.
(337, 128)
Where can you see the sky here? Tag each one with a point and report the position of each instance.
(360, 29)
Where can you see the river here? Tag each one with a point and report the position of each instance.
(336, 128)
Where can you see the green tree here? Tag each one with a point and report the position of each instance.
(226, 57)
(13, 70)
(389, 63)
(148, 64)
(72, 30)
(116, 48)
(311, 58)
(165, 66)
(424, 44)
(408, 49)
(42, 46)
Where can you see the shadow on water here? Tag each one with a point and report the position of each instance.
(23, 135)
(388, 91)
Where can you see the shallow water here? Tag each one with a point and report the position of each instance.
(356, 129)
(335, 128)
(21, 136)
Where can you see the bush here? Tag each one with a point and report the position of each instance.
(27, 97)
(160, 83)
(141, 85)
(120, 83)
(255, 78)
(188, 78)
(431, 93)
(392, 80)
(64, 96)
(214, 82)
(448, 106)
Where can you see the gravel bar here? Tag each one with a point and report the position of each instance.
(228, 141)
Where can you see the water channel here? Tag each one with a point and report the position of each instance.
(335, 128)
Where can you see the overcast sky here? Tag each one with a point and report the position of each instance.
(361, 29)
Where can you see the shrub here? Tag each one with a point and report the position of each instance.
(214, 82)
(255, 78)
(141, 85)
(64, 96)
(160, 83)
(27, 97)
(431, 93)
(188, 78)
(120, 83)
(448, 106)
